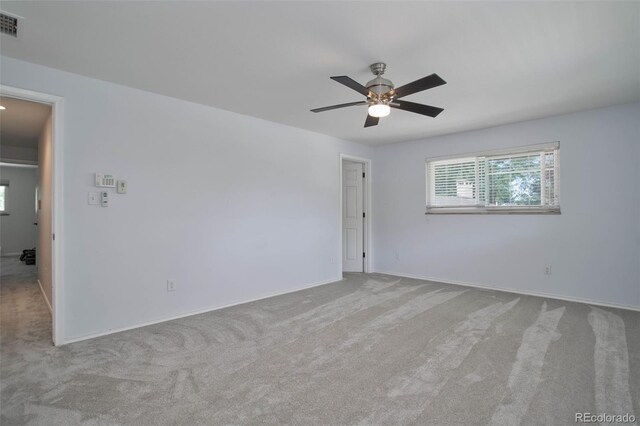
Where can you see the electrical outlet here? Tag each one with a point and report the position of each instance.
(547, 270)
(332, 260)
(397, 255)
(171, 285)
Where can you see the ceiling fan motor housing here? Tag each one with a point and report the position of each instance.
(380, 86)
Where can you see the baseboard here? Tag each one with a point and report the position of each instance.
(196, 312)
(516, 291)
(12, 254)
(44, 295)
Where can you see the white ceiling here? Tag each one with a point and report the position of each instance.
(503, 61)
(21, 122)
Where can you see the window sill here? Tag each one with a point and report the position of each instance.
(494, 211)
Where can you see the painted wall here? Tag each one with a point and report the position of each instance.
(17, 231)
(45, 161)
(230, 207)
(235, 208)
(593, 246)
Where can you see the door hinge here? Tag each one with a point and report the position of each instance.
(364, 214)
(54, 237)
(363, 255)
(363, 175)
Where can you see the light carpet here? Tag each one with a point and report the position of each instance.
(371, 349)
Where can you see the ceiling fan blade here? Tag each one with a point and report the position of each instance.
(327, 108)
(352, 84)
(429, 110)
(371, 121)
(428, 82)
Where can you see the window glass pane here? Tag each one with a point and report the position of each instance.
(514, 181)
(3, 195)
(455, 183)
(520, 179)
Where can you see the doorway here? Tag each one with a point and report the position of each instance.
(31, 129)
(25, 199)
(355, 202)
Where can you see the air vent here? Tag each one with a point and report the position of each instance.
(8, 25)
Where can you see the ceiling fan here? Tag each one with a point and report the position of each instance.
(382, 96)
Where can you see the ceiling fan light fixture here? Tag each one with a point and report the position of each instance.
(379, 110)
(381, 95)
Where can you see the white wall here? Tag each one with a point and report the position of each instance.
(235, 208)
(231, 207)
(45, 191)
(593, 246)
(17, 231)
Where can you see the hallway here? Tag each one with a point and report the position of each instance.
(25, 318)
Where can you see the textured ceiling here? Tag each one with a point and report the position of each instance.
(503, 61)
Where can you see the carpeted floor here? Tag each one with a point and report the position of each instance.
(372, 349)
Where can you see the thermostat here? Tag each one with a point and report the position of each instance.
(105, 180)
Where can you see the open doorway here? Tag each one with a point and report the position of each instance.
(26, 205)
(355, 202)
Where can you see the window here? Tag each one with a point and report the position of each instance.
(4, 189)
(521, 180)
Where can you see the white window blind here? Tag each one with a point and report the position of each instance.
(522, 180)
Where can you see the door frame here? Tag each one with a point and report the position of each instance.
(366, 205)
(57, 254)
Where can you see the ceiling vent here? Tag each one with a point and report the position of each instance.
(8, 25)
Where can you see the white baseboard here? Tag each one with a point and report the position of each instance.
(44, 295)
(196, 312)
(516, 291)
(12, 254)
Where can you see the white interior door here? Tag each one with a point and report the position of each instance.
(352, 217)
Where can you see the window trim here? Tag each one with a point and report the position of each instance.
(482, 209)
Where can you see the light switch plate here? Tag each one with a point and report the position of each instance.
(122, 187)
(93, 198)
